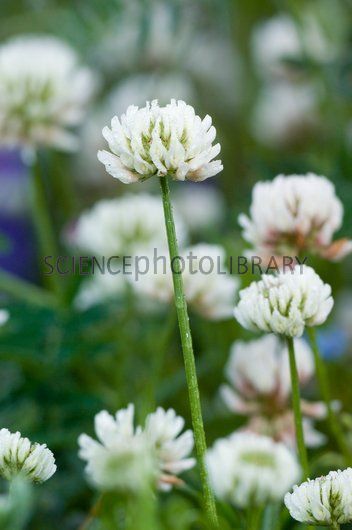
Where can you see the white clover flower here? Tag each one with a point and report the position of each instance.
(136, 90)
(127, 458)
(120, 459)
(126, 226)
(4, 317)
(162, 429)
(260, 387)
(20, 456)
(258, 371)
(281, 39)
(324, 501)
(273, 42)
(99, 288)
(201, 210)
(285, 303)
(246, 469)
(285, 114)
(43, 92)
(294, 214)
(209, 289)
(153, 140)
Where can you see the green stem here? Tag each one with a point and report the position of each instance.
(43, 224)
(25, 291)
(324, 388)
(296, 402)
(254, 518)
(335, 526)
(188, 354)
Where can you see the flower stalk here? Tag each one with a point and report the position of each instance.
(296, 402)
(188, 354)
(43, 224)
(324, 388)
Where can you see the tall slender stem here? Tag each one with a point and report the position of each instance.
(296, 402)
(188, 354)
(324, 388)
(254, 518)
(43, 223)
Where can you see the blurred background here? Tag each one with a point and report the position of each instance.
(276, 77)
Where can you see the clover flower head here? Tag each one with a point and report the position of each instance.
(260, 388)
(161, 141)
(19, 456)
(162, 429)
(258, 372)
(246, 469)
(127, 458)
(285, 303)
(294, 214)
(323, 501)
(43, 92)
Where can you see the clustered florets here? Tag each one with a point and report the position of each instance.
(129, 458)
(154, 140)
(285, 303)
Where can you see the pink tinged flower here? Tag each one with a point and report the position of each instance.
(294, 214)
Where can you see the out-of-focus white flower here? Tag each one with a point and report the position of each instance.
(4, 317)
(20, 456)
(120, 459)
(120, 47)
(274, 41)
(284, 114)
(224, 78)
(43, 92)
(99, 288)
(246, 469)
(201, 208)
(162, 429)
(209, 289)
(285, 303)
(126, 226)
(293, 214)
(259, 374)
(324, 501)
(127, 457)
(281, 426)
(154, 140)
(281, 39)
